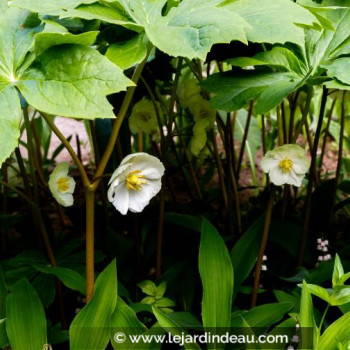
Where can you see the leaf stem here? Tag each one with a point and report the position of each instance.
(69, 148)
(118, 123)
(90, 263)
(262, 246)
(310, 184)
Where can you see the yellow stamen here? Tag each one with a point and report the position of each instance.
(63, 184)
(135, 180)
(286, 165)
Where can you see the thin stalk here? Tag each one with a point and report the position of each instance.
(90, 261)
(23, 172)
(69, 148)
(220, 169)
(305, 113)
(232, 177)
(20, 193)
(38, 156)
(160, 233)
(323, 318)
(118, 123)
(263, 140)
(262, 247)
(325, 136)
(284, 122)
(279, 127)
(244, 139)
(340, 155)
(31, 155)
(294, 105)
(310, 184)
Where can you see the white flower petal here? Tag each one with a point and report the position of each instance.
(268, 163)
(295, 179)
(301, 165)
(278, 177)
(122, 168)
(151, 167)
(138, 200)
(121, 199)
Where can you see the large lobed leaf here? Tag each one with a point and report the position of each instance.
(72, 80)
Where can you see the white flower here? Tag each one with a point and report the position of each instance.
(286, 164)
(135, 182)
(61, 185)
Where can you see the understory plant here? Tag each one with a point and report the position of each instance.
(215, 192)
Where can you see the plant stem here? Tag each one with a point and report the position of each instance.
(306, 111)
(323, 318)
(69, 148)
(90, 265)
(118, 123)
(279, 126)
(310, 184)
(325, 136)
(244, 139)
(31, 155)
(220, 169)
(262, 247)
(340, 155)
(160, 233)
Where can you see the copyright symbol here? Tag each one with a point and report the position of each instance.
(119, 338)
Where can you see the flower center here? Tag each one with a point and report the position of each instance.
(135, 180)
(286, 165)
(63, 184)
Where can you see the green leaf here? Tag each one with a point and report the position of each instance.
(124, 320)
(111, 12)
(3, 294)
(172, 327)
(128, 53)
(216, 272)
(273, 21)
(15, 42)
(319, 292)
(3, 335)
(262, 316)
(338, 331)
(48, 6)
(26, 321)
(44, 41)
(279, 57)
(70, 278)
(338, 271)
(245, 252)
(72, 81)
(148, 287)
(340, 295)
(339, 69)
(193, 26)
(10, 118)
(161, 290)
(90, 328)
(164, 302)
(306, 317)
(234, 90)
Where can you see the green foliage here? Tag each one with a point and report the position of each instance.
(25, 318)
(90, 328)
(216, 272)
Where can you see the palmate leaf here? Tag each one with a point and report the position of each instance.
(273, 21)
(48, 6)
(232, 91)
(70, 80)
